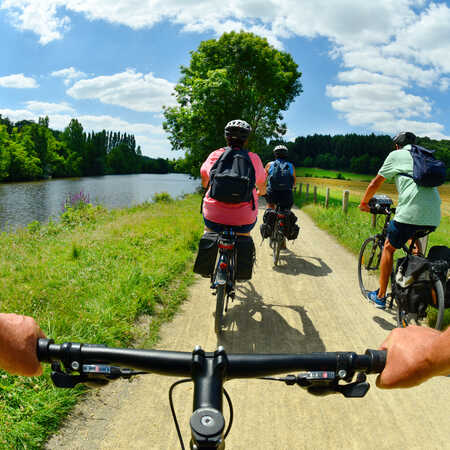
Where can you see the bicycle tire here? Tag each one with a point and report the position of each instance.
(404, 318)
(277, 247)
(369, 265)
(220, 301)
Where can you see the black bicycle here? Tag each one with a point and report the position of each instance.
(277, 239)
(224, 277)
(369, 268)
(325, 373)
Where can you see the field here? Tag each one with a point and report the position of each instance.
(357, 188)
(323, 173)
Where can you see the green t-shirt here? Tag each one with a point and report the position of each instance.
(417, 205)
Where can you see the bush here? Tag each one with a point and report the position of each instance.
(162, 197)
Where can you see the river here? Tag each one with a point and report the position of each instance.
(22, 203)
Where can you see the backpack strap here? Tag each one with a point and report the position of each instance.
(412, 150)
(221, 157)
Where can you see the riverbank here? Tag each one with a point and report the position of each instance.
(93, 277)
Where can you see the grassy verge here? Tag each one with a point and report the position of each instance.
(354, 227)
(89, 278)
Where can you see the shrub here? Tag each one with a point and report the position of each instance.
(163, 197)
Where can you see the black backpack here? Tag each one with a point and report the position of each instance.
(232, 177)
(427, 170)
(280, 176)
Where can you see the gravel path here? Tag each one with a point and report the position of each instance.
(310, 303)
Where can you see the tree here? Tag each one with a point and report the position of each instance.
(236, 76)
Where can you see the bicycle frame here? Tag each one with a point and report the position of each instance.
(209, 371)
(225, 272)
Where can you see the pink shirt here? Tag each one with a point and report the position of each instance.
(231, 213)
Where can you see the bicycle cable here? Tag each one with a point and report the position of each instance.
(174, 415)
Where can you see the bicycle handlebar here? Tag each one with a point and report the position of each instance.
(327, 374)
(181, 363)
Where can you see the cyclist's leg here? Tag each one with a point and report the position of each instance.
(271, 201)
(386, 265)
(398, 234)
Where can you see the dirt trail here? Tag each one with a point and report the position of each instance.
(310, 303)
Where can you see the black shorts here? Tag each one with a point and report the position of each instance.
(399, 233)
(283, 198)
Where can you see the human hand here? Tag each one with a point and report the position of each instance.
(407, 362)
(18, 338)
(364, 207)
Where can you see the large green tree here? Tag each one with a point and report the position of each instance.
(236, 76)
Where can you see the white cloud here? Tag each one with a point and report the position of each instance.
(48, 108)
(132, 90)
(384, 108)
(18, 81)
(40, 17)
(401, 43)
(68, 74)
(151, 138)
(444, 84)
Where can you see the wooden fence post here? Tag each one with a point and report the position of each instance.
(315, 194)
(300, 186)
(307, 190)
(327, 197)
(345, 197)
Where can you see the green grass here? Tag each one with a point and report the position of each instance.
(353, 228)
(89, 278)
(324, 173)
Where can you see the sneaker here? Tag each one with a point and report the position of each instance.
(379, 302)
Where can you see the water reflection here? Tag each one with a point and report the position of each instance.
(21, 203)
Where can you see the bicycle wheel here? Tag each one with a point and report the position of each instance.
(220, 300)
(277, 247)
(405, 318)
(369, 265)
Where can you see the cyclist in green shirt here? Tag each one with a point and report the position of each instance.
(418, 208)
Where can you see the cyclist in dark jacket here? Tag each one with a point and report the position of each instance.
(280, 194)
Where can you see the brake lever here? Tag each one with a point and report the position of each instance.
(93, 375)
(321, 383)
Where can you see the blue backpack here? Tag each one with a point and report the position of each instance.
(427, 170)
(280, 176)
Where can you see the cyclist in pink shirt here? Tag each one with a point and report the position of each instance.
(219, 215)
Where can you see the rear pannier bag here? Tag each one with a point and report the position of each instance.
(291, 229)
(414, 285)
(266, 230)
(270, 216)
(245, 257)
(442, 253)
(207, 254)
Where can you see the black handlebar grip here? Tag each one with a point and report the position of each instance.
(377, 360)
(42, 349)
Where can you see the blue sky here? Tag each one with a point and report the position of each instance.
(381, 67)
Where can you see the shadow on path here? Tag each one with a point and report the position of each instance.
(253, 326)
(291, 264)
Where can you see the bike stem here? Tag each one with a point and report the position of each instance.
(207, 421)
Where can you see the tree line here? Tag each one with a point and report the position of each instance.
(351, 152)
(30, 151)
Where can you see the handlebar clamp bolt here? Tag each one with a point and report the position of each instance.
(75, 365)
(342, 373)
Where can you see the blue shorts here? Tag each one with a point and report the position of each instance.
(399, 233)
(218, 227)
